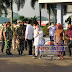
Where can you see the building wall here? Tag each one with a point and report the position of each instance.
(69, 8)
(68, 13)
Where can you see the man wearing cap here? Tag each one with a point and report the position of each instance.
(8, 39)
(20, 38)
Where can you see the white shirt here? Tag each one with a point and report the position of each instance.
(29, 32)
(38, 37)
(52, 30)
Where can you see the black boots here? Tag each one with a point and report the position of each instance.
(8, 52)
(20, 52)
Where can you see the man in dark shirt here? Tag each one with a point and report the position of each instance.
(25, 25)
(68, 35)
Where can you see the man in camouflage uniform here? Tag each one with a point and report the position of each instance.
(20, 39)
(2, 36)
(24, 29)
(8, 39)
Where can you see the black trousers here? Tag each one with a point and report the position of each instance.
(3, 45)
(21, 44)
(69, 42)
(51, 38)
(25, 45)
(29, 45)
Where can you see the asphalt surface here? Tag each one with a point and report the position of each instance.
(16, 63)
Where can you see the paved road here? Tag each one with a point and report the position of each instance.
(16, 63)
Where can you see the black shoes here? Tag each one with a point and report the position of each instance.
(8, 52)
(20, 52)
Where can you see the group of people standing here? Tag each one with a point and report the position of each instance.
(21, 37)
(25, 36)
(61, 37)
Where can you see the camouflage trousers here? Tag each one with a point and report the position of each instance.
(8, 45)
(3, 45)
(20, 44)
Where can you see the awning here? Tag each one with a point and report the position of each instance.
(54, 1)
(43, 23)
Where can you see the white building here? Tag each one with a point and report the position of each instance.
(61, 17)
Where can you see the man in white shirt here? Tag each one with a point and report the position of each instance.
(38, 37)
(52, 29)
(29, 36)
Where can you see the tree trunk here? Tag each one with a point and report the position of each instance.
(11, 12)
(49, 16)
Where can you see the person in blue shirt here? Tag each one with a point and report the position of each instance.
(52, 29)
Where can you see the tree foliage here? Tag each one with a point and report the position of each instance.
(20, 3)
(68, 20)
(45, 30)
(21, 17)
(15, 21)
(4, 5)
(50, 7)
(33, 4)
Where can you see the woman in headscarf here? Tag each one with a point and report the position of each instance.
(59, 39)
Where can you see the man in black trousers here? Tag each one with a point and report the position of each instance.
(29, 36)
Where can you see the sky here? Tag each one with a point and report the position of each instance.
(28, 11)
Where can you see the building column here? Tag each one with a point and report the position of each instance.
(59, 14)
(40, 13)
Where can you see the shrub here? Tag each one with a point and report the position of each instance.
(45, 30)
(21, 17)
(15, 21)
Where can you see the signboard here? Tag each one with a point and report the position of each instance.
(54, 1)
(47, 51)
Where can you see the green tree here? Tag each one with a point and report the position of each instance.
(15, 21)
(45, 30)
(20, 3)
(68, 20)
(50, 7)
(21, 17)
(4, 5)
(33, 3)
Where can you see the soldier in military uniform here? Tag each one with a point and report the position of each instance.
(20, 39)
(8, 39)
(2, 36)
(24, 29)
